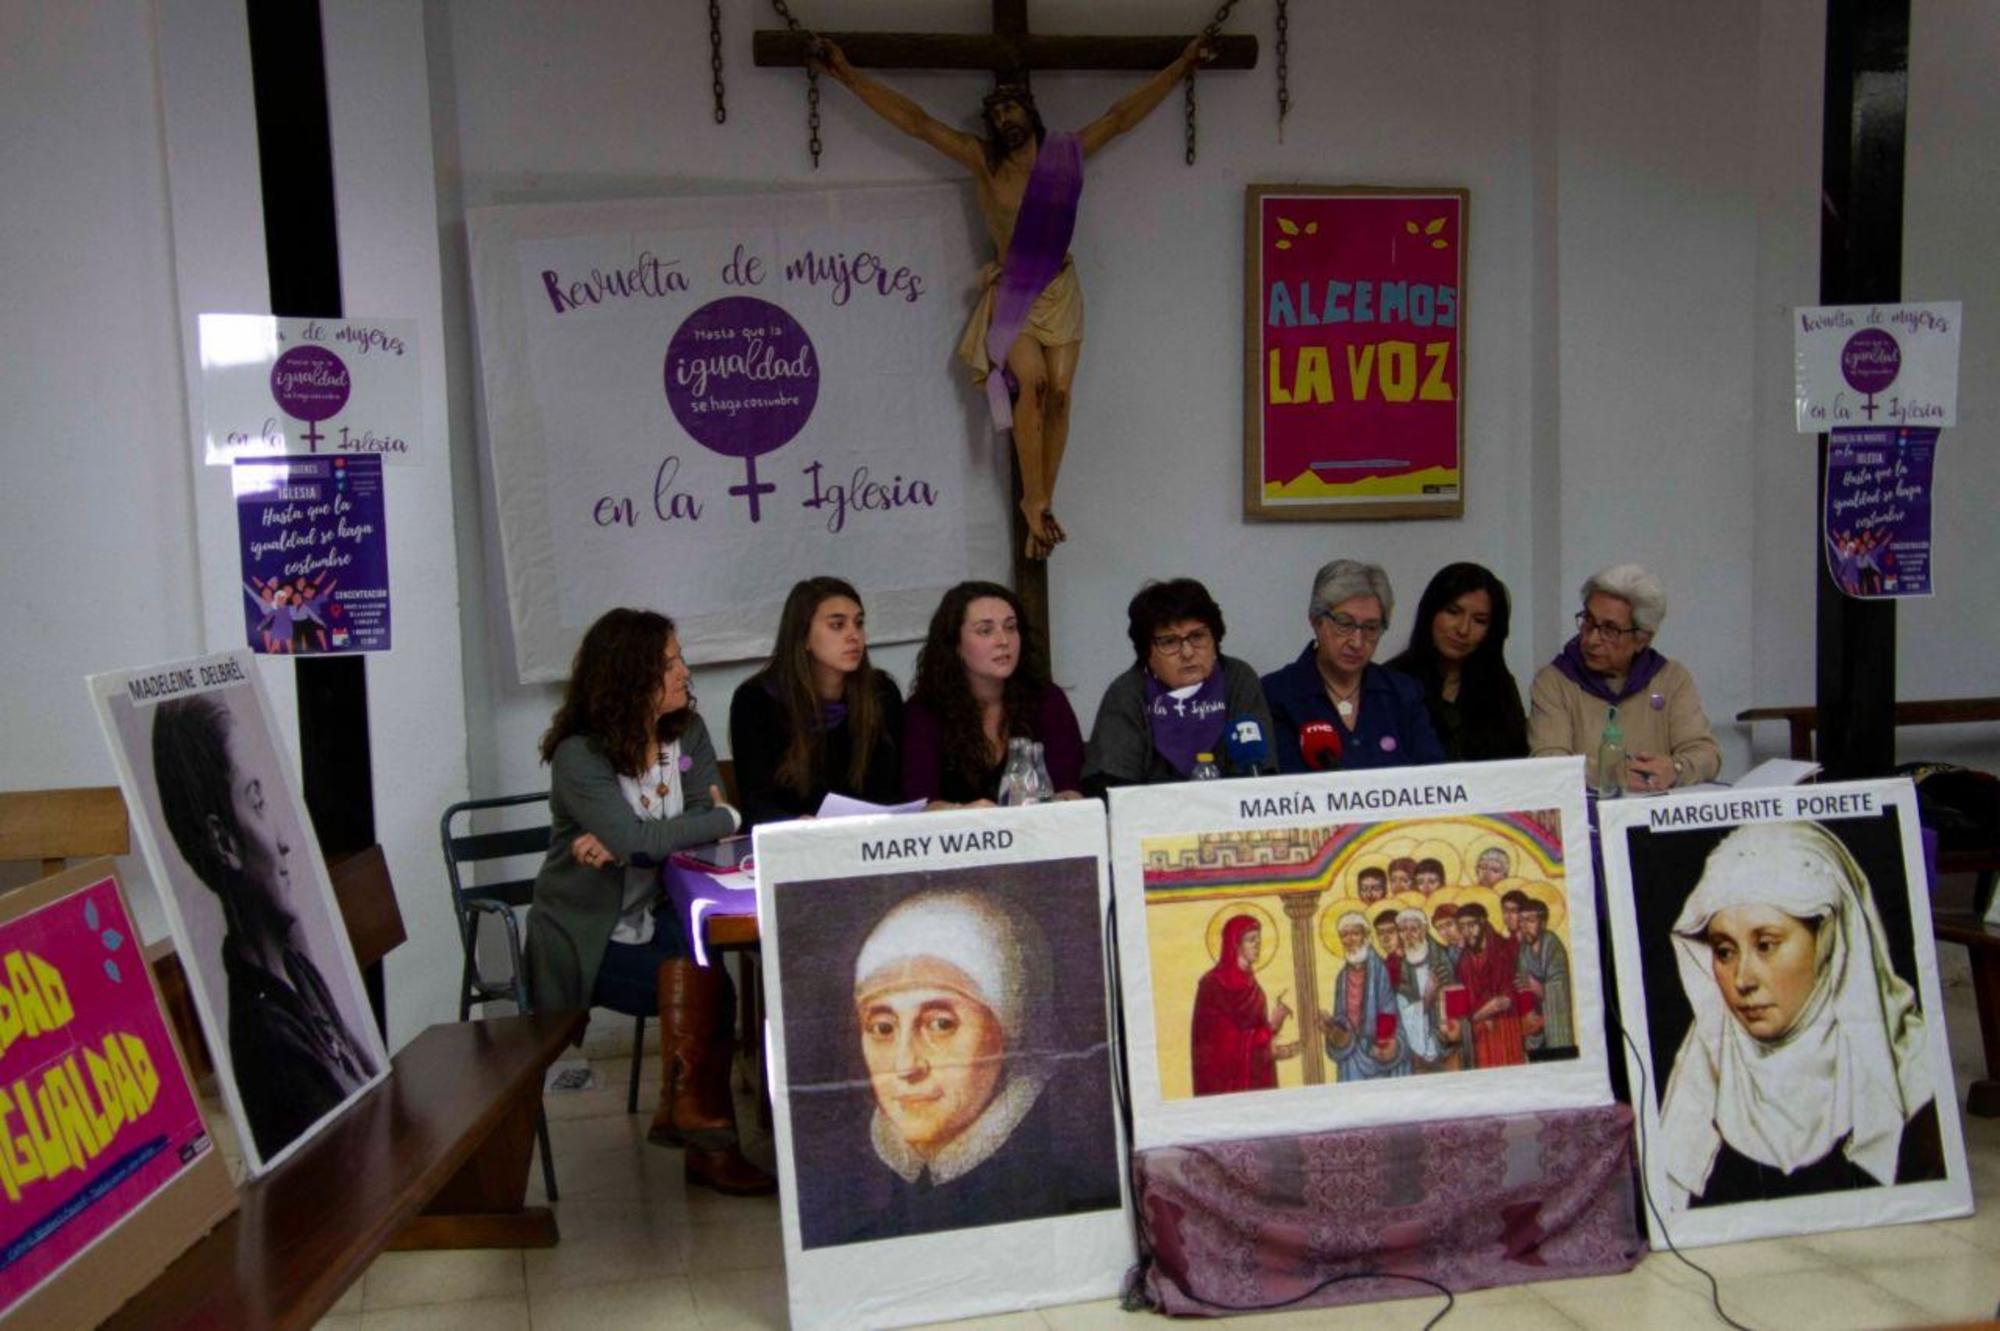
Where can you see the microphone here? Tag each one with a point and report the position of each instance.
(1319, 743)
(1248, 750)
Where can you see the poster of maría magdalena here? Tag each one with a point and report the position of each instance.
(1777, 975)
(1306, 953)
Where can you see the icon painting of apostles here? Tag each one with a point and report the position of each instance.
(1355, 953)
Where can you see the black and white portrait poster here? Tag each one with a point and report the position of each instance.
(1778, 980)
(246, 894)
(940, 1034)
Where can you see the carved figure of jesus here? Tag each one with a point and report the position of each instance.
(1029, 320)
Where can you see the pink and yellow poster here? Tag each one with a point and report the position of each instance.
(1354, 364)
(96, 1114)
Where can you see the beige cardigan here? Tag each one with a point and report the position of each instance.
(1563, 719)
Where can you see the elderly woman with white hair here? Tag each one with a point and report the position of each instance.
(954, 1004)
(1804, 1069)
(1333, 707)
(1611, 664)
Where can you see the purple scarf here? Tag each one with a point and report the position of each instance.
(1646, 664)
(1184, 727)
(1034, 256)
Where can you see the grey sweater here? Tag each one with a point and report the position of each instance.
(577, 906)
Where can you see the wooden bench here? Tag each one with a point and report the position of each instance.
(435, 1157)
(1981, 941)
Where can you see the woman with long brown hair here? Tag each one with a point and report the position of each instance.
(632, 779)
(980, 683)
(818, 718)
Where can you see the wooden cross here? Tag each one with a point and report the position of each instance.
(1010, 50)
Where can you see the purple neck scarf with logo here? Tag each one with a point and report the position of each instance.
(1186, 726)
(1034, 256)
(1646, 664)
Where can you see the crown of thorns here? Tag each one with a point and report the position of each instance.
(1003, 93)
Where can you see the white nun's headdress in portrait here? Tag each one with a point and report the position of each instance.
(1852, 1065)
(987, 951)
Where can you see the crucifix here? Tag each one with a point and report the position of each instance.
(1026, 331)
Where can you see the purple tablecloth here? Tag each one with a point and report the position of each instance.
(1468, 1203)
(698, 895)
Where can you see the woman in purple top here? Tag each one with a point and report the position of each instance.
(980, 682)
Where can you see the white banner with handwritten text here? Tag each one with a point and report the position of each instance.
(692, 403)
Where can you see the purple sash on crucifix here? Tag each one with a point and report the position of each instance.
(1042, 231)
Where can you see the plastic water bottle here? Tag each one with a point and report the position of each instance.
(1017, 779)
(1611, 759)
(1045, 786)
(1204, 768)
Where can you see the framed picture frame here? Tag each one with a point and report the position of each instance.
(1354, 352)
(942, 1085)
(1778, 986)
(1271, 986)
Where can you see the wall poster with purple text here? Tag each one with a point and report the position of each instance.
(309, 387)
(1878, 510)
(315, 554)
(694, 402)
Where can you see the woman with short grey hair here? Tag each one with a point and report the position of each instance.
(1333, 707)
(1611, 669)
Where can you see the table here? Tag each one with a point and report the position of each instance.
(715, 909)
(435, 1157)
(1465, 1202)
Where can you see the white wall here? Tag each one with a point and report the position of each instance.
(1644, 210)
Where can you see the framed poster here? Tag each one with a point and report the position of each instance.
(109, 1172)
(940, 1054)
(246, 895)
(1778, 981)
(1303, 953)
(1353, 352)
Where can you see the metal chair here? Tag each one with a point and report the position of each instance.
(469, 903)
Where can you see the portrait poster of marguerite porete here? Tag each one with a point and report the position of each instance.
(1779, 983)
(941, 1058)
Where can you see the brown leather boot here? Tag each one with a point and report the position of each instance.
(727, 1170)
(693, 1044)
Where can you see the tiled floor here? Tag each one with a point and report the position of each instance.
(639, 1249)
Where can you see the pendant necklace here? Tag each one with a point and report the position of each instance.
(1342, 704)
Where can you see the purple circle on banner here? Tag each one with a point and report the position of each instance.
(310, 383)
(1870, 361)
(742, 377)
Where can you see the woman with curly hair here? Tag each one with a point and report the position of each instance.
(818, 718)
(1457, 652)
(632, 779)
(980, 683)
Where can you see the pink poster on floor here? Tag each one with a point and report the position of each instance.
(1355, 336)
(96, 1115)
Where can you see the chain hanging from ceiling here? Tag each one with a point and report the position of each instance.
(715, 59)
(812, 78)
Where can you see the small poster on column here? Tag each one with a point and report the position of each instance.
(309, 386)
(1878, 511)
(315, 554)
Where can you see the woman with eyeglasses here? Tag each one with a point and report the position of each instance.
(1181, 699)
(1611, 663)
(1333, 707)
(1456, 654)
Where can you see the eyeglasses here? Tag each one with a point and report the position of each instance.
(1347, 626)
(1585, 626)
(1194, 640)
